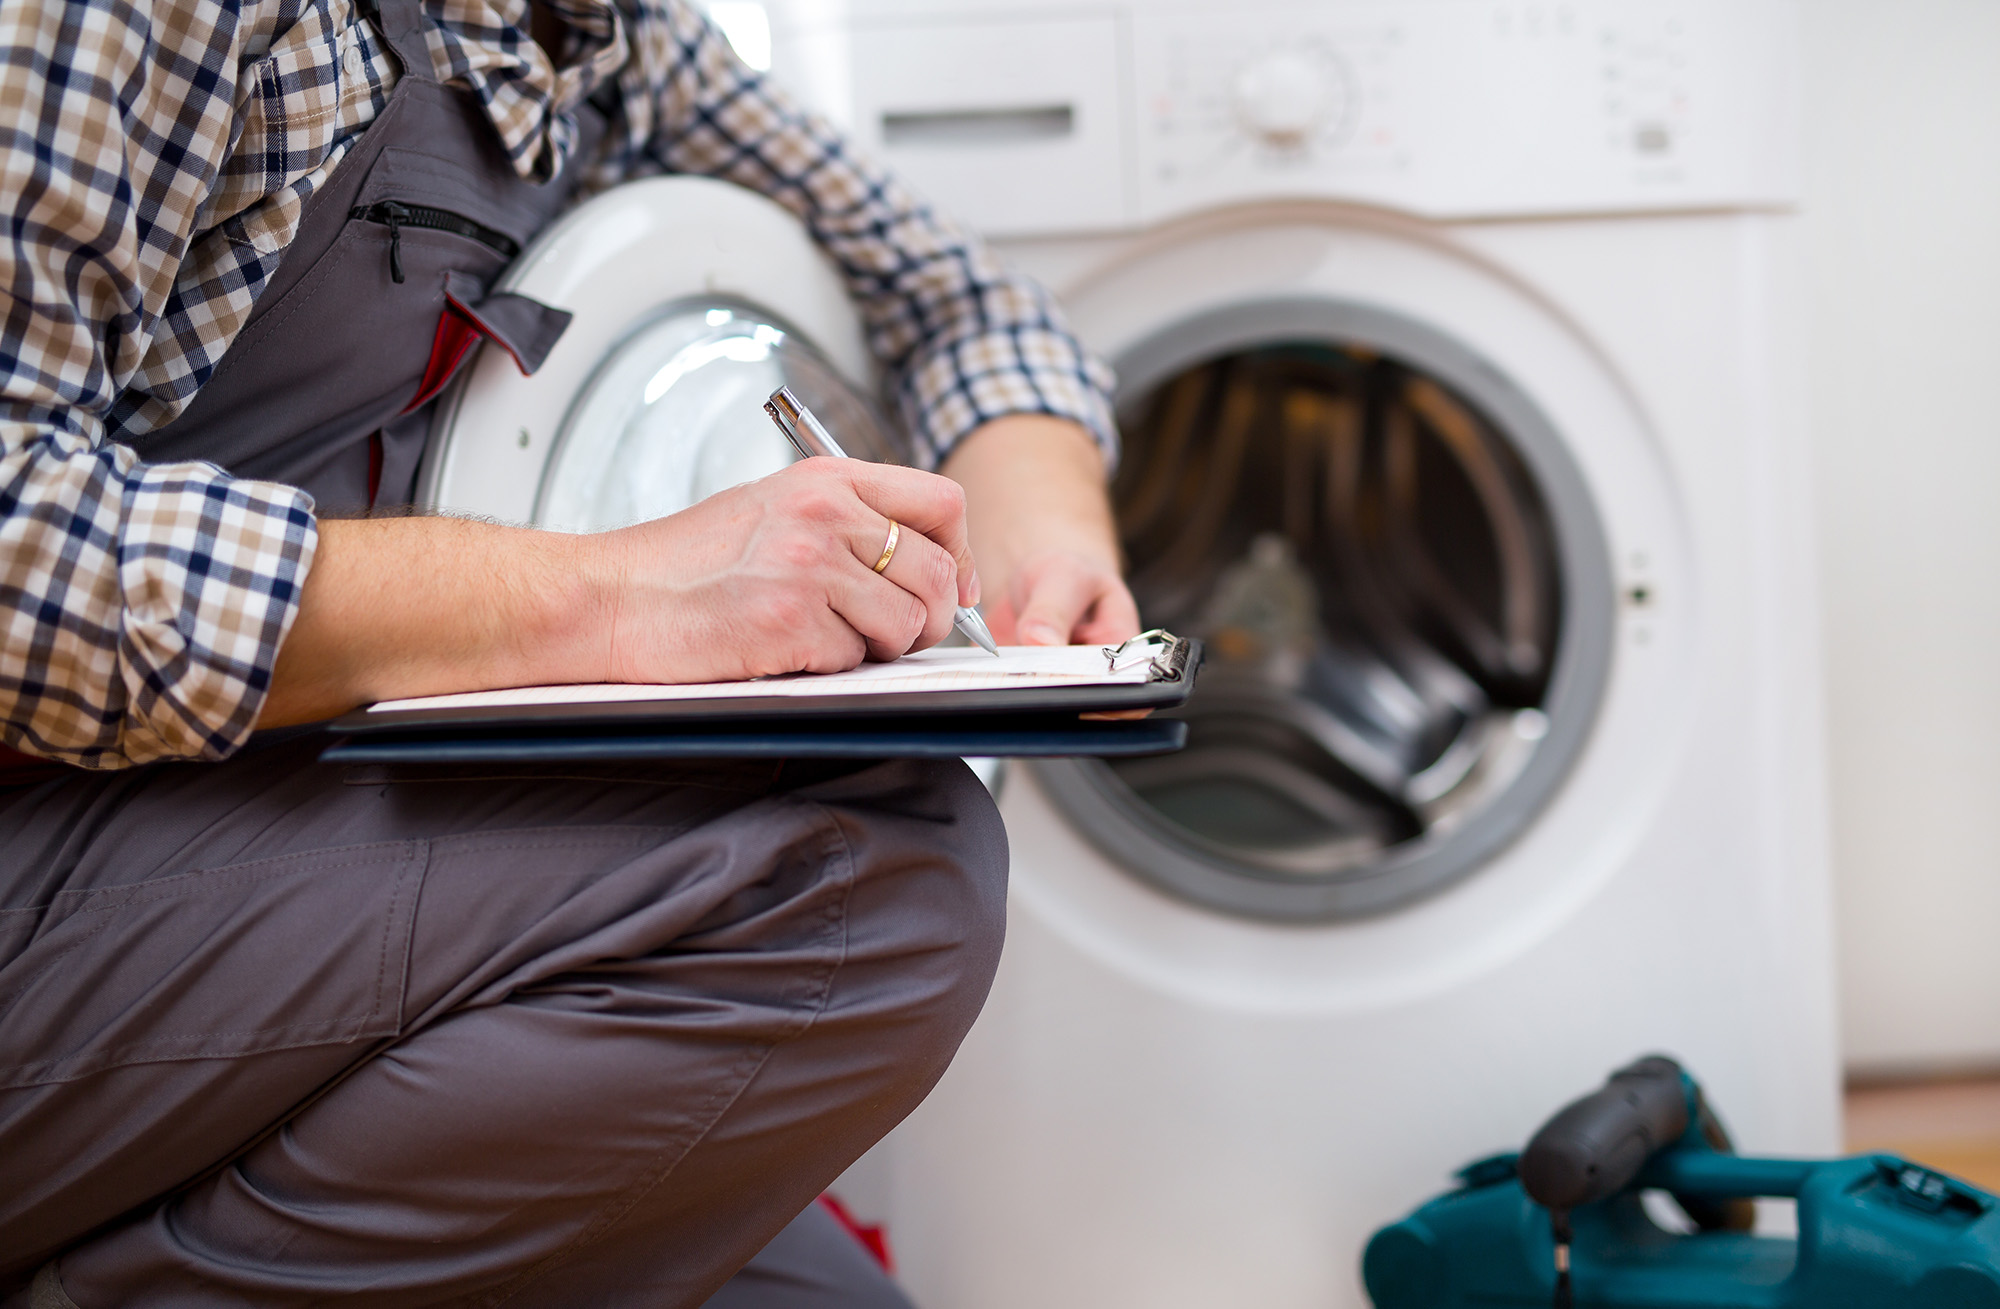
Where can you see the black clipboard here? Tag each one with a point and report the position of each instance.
(1039, 722)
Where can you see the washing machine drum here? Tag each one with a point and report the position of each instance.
(1405, 596)
(692, 300)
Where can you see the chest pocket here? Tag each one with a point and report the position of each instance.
(378, 302)
(307, 97)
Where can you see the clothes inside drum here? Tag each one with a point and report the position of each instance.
(1375, 574)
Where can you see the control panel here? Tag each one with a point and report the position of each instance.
(1443, 108)
(1283, 100)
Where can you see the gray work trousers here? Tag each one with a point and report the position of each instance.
(271, 1034)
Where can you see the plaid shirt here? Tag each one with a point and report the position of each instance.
(155, 160)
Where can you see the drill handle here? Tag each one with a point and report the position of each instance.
(1596, 1146)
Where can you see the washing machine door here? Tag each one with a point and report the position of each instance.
(693, 300)
(1404, 587)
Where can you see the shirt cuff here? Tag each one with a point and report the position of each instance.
(209, 573)
(1020, 371)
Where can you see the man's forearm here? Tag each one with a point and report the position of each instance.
(1032, 482)
(420, 606)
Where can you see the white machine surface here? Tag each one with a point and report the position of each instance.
(1553, 241)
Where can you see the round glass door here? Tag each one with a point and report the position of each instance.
(675, 413)
(1404, 596)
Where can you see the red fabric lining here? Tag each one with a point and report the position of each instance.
(17, 769)
(479, 326)
(374, 465)
(456, 333)
(874, 1237)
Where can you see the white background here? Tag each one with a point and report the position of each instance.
(1903, 217)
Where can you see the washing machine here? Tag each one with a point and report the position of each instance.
(1459, 381)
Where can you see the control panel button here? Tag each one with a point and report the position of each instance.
(1285, 97)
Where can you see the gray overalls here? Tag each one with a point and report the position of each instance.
(275, 1035)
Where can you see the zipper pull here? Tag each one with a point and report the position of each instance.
(393, 215)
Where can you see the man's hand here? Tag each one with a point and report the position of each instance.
(1042, 528)
(777, 576)
(771, 577)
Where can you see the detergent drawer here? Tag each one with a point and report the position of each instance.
(1013, 123)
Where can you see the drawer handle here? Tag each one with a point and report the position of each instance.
(978, 127)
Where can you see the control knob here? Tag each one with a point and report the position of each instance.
(1285, 97)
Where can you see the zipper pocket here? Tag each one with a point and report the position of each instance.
(395, 215)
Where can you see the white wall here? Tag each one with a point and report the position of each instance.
(1903, 217)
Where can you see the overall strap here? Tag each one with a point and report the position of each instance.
(401, 23)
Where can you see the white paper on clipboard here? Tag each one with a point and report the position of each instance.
(955, 669)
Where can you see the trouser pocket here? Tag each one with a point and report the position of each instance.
(299, 950)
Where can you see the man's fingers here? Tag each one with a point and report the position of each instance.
(921, 567)
(908, 605)
(1111, 619)
(1059, 599)
(891, 620)
(1070, 598)
(831, 646)
(931, 505)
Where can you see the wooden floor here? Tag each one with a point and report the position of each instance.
(1952, 1126)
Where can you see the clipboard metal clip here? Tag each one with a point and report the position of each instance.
(1166, 665)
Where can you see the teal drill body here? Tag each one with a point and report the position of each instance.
(1874, 1232)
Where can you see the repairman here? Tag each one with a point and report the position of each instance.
(275, 1035)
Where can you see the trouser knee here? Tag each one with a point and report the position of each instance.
(928, 912)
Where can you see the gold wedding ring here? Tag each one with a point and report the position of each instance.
(889, 547)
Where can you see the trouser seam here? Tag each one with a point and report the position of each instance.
(837, 911)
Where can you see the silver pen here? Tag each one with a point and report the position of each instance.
(809, 437)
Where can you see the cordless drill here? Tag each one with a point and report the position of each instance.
(1596, 1146)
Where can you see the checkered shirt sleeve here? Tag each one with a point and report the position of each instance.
(961, 338)
(153, 165)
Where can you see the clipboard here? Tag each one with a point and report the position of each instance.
(1032, 721)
